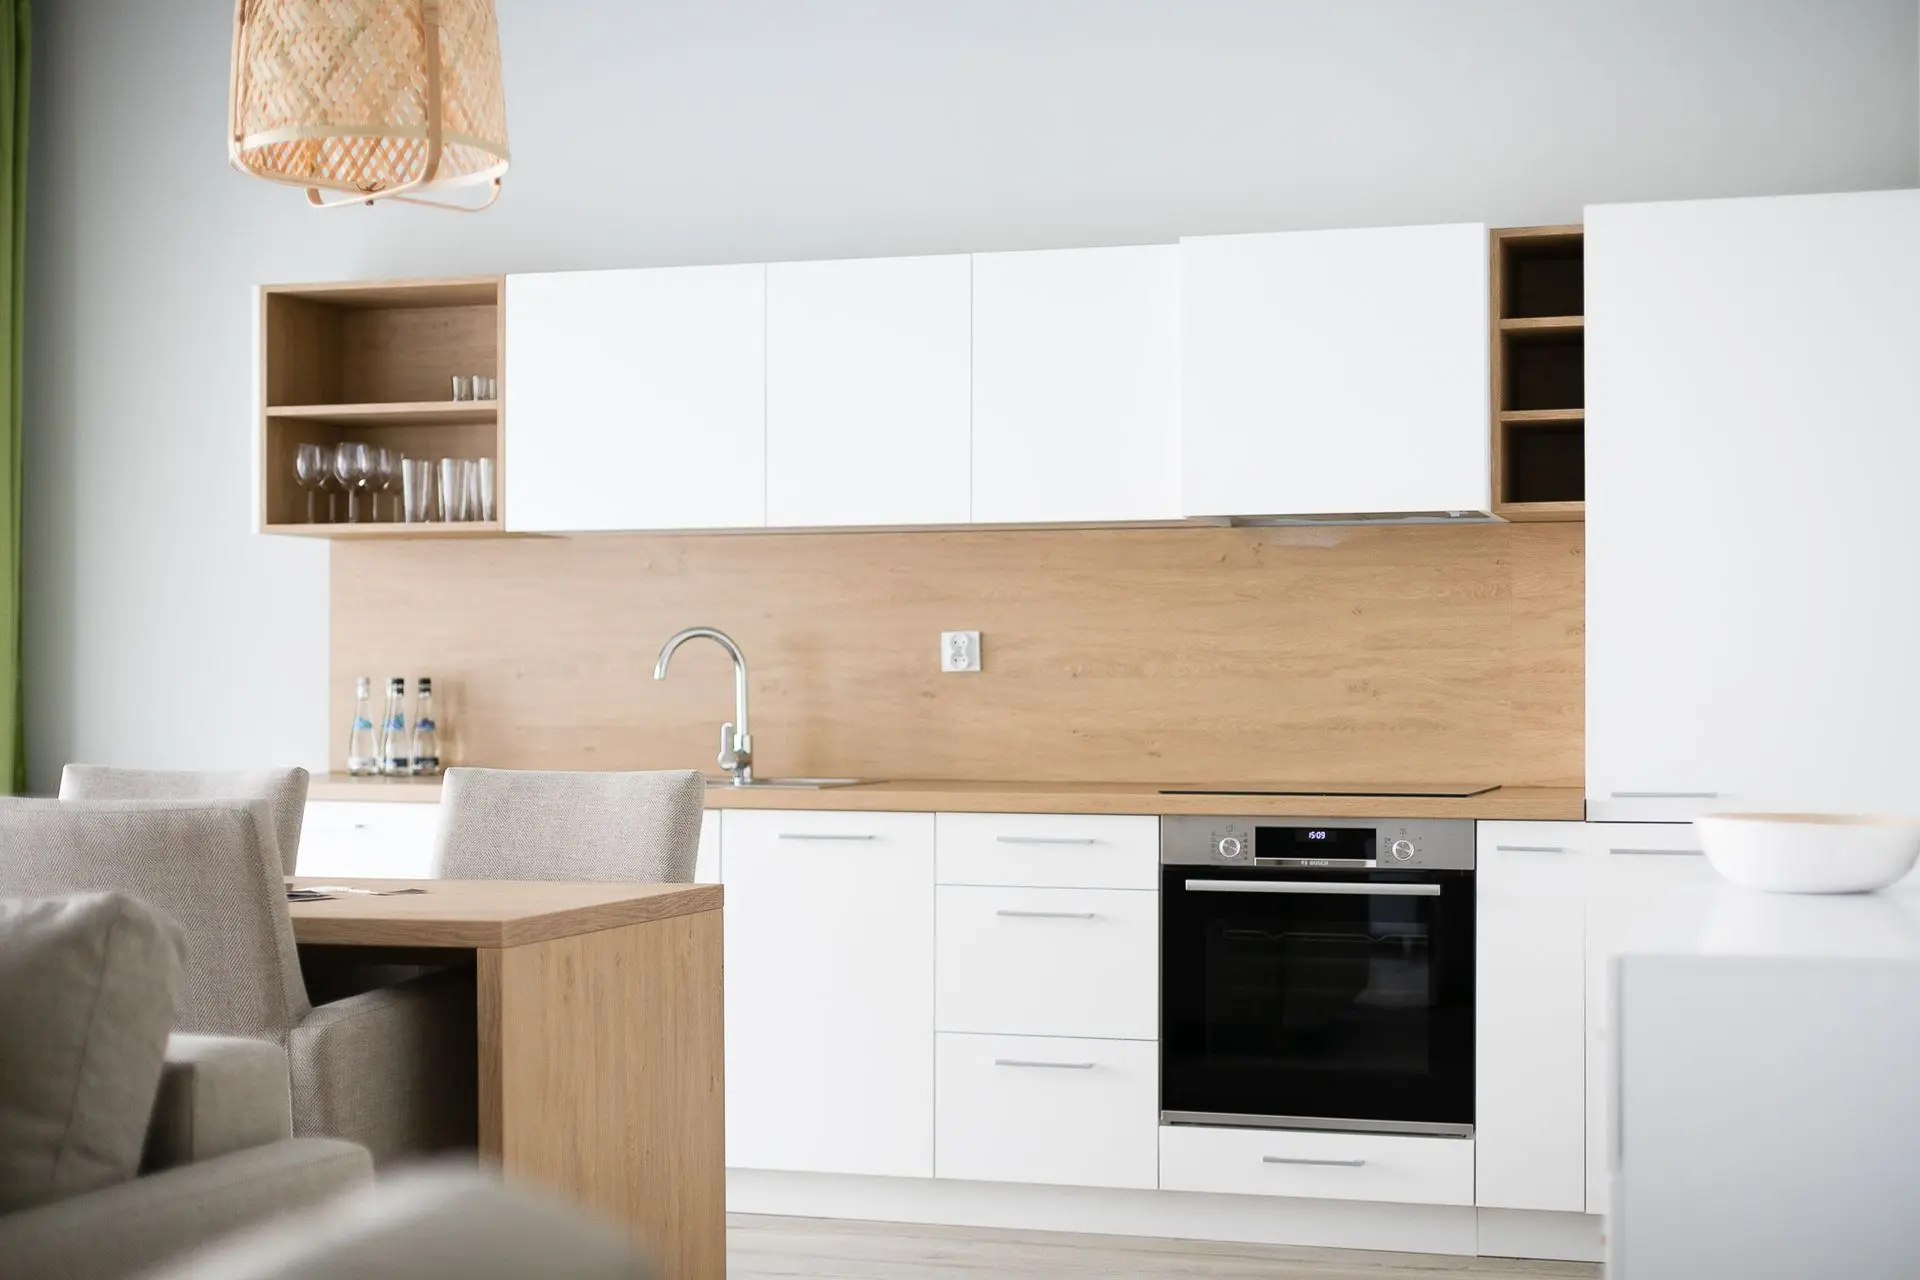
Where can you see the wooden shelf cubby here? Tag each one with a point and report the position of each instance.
(1539, 373)
(374, 361)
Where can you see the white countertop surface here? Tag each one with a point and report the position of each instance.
(1722, 919)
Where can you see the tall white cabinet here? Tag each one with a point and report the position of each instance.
(1753, 438)
(1335, 372)
(1076, 385)
(869, 391)
(636, 400)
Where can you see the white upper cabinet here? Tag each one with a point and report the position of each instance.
(868, 386)
(1076, 385)
(1753, 438)
(636, 400)
(1335, 372)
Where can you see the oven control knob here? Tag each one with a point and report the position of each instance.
(1229, 847)
(1402, 850)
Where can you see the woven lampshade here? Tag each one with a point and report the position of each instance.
(388, 99)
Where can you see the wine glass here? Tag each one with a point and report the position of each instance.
(352, 466)
(386, 472)
(310, 465)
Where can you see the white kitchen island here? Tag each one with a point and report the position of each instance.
(1767, 1121)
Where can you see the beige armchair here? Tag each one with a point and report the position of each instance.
(391, 1069)
(284, 790)
(523, 824)
(120, 1146)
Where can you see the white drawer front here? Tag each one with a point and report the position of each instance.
(1049, 850)
(1318, 1166)
(1043, 1109)
(1048, 962)
(350, 838)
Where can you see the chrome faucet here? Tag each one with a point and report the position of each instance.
(736, 741)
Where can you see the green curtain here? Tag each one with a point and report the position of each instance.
(15, 29)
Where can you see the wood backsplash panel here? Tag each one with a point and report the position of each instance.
(1368, 654)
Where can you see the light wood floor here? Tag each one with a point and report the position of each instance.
(760, 1248)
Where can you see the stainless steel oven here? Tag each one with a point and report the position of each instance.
(1317, 973)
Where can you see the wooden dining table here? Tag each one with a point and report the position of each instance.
(599, 1035)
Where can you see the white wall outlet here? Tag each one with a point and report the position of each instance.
(959, 650)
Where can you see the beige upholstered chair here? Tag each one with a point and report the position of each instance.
(284, 790)
(513, 824)
(119, 1144)
(391, 1069)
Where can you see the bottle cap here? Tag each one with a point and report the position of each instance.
(426, 682)
(398, 682)
(361, 684)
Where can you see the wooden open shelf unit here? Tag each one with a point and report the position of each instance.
(375, 361)
(1539, 373)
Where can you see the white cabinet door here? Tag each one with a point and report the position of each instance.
(361, 839)
(1530, 1098)
(868, 386)
(1047, 1110)
(1751, 548)
(1630, 868)
(1319, 1166)
(1334, 372)
(706, 864)
(1076, 385)
(636, 399)
(829, 958)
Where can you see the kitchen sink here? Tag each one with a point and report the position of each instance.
(789, 784)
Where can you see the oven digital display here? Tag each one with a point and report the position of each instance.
(1313, 842)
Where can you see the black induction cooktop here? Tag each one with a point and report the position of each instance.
(1416, 790)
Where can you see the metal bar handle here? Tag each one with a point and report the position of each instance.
(1339, 1164)
(1661, 853)
(1314, 886)
(1664, 795)
(1530, 848)
(825, 835)
(1044, 915)
(1035, 1062)
(1046, 840)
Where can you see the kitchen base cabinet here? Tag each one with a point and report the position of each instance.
(1315, 1165)
(368, 839)
(1630, 867)
(1047, 1109)
(1530, 1101)
(829, 964)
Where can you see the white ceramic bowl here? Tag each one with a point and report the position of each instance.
(1809, 852)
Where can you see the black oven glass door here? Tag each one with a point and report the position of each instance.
(1318, 994)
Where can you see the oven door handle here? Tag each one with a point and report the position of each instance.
(1314, 886)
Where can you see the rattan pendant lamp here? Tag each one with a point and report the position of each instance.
(387, 99)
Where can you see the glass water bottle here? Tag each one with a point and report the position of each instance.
(426, 734)
(363, 756)
(396, 754)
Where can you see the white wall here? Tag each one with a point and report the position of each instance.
(161, 631)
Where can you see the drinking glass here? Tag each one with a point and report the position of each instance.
(483, 489)
(386, 474)
(488, 388)
(416, 488)
(462, 387)
(453, 488)
(352, 465)
(310, 467)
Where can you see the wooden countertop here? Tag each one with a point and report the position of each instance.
(484, 913)
(1518, 803)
